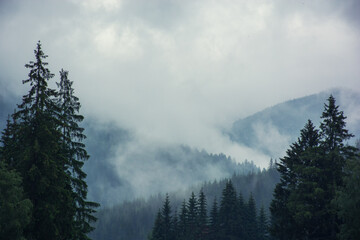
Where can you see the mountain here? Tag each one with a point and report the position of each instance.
(274, 128)
(122, 168)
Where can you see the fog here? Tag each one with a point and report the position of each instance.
(181, 72)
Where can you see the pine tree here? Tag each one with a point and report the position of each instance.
(202, 217)
(183, 222)
(192, 217)
(242, 232)
(42, 143)
(37, 155)
(251, 226)
(311, 173)
(333, 134)
(214, 226)
(156, 233)
(76, 155)
(175, 226)
(166, 220)
(228, 212)
(292, 169)
(262, 225)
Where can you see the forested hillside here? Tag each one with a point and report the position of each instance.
(134, 220)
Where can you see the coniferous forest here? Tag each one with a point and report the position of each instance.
(313, 192)
(317, 196)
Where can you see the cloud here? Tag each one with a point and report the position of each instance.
(180, 71)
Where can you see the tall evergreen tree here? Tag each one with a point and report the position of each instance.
(202, 217)
(242, 218)
(175, 227)
(292, 169)
(214, 225)
(76, 155)
(38, 158)
(333, 136)
(251, 226)
(228, 212)
(192, 218)
(166, 220)
(312, 171)
(262, 225)
(43, 143)
(183, 222)
(156, 233)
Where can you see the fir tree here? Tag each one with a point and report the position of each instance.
(202, 217)
(183, 222)
(251, 226)
(192, 217)
(43, 143)
(38, 157)
(242, 217)
(262, 225)
(292, 169)
(76, 155)
(166, 220)
(156, 233)
(214, 226)
(228, 212)
(334, 134)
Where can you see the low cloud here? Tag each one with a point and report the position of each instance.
(180, 72)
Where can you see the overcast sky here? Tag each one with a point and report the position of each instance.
(178, 71)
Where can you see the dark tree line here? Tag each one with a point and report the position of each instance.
(41, 159)
(318, 195)
(134, 219)
(231, 218)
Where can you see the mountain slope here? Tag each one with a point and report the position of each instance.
(273, 129)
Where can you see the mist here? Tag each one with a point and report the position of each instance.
(180, 73)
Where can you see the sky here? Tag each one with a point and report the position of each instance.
(182, 71)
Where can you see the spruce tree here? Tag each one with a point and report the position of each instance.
(37, 155)
(76, 155)
(192, 217)
(202, 217)
(166, 220)
(214, 225)
(156, 233)
(242, 213)
(42, 142)
(311, 173)
(175, 227)
(251, 226)
(183, 222)
(292, 169)
(262, 225)
(228, 212)
(333, 136)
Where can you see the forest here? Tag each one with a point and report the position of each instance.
(313, 192)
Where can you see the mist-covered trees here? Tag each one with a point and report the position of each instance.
(42, 143)
(222, 223)
(134, 220)
(311, 173)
